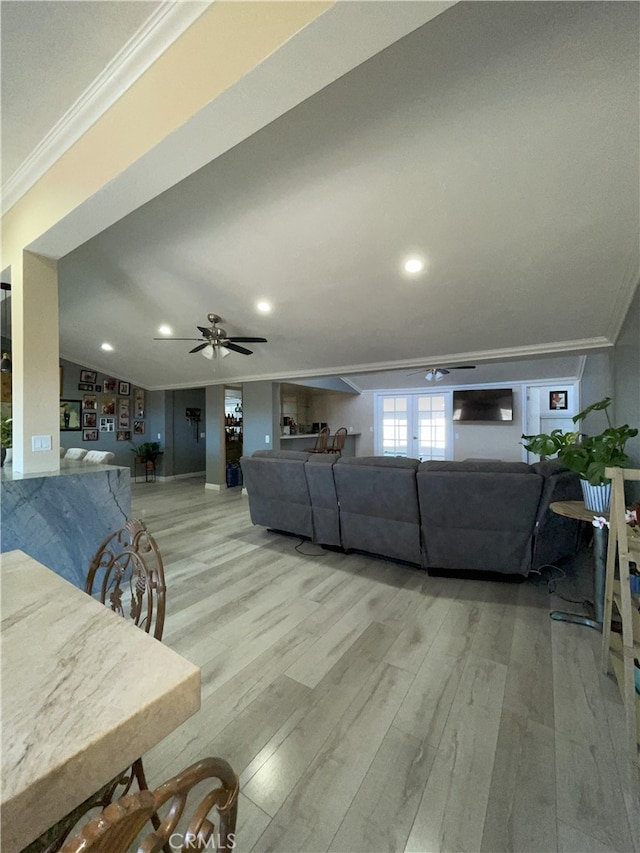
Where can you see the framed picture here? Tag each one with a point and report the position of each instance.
(85, 386)
(90, 402)
(98, 388)
(89, 419)
(138, 403)
(107, 405)
(107, 424)
(124, 389)
(123, 435)
(124, 413)
(88, 376)
(138, 427)
(89, 434)
(70, 415)
(110, 383)
(558, 400)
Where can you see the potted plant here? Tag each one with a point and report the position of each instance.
(6, 437)
(588, 455)
(147, 452)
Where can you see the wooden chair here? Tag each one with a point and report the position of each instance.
(339, 439)
(126, 574)
(321, 442)
(120, 824)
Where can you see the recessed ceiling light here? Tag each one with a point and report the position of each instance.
(107, 347)
(264, 307)
(413, 265)
(165, 330)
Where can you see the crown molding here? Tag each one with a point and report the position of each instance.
(158, 32)
(575, 347)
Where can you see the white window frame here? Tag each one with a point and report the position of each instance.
(412, 396)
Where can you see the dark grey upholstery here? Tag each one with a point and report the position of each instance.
(324, 501)
(555, 536)
(278, 493)
(474, 516)
(379, 506)
(478, 520)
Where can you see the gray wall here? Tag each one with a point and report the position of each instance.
(627, 382)
(106, 440)
(216, 447)
(261, 416)
(164, 417)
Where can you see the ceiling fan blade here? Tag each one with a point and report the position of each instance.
(177, 339)
(236, 348)
(463, 367)
(199, 347)
(206, 332)
(248, 340)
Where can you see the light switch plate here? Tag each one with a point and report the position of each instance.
(40, 443)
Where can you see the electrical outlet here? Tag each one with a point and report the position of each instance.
(267, 438)
(159, 436)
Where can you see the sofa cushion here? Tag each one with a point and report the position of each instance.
(488, 466)
(278, 491)
(478, 520)
(379, 506)
(324, 500)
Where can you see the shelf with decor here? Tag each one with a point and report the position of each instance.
(620, 651)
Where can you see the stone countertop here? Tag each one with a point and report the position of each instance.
(67, 466)
(84, 693)
(313, 435)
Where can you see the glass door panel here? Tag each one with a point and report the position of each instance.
(413, 425)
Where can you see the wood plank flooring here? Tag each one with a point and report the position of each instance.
(369, 707)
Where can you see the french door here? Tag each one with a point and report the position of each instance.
(413, 425)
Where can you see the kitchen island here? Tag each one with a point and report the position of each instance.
(61, 517)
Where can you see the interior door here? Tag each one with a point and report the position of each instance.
(414, 425)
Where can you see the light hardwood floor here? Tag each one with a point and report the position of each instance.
(370, 707)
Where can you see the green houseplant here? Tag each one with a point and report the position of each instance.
(147, 452)
(588, 455)
(6, 436)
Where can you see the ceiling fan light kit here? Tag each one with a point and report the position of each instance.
(437, 374)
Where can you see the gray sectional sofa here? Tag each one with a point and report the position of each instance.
(444, 516)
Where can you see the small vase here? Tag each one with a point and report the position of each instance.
(596, 498)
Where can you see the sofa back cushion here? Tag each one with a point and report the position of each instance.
(324, 500)
(278, 491)
(478, 520)
(379, 506)
(489, 466)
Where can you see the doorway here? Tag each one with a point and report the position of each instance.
(233, 429)
(414, 425)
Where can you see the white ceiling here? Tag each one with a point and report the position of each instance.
(500, 140)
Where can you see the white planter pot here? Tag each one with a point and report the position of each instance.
(596, 498)
(9, 457)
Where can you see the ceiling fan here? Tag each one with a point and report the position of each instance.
(437, 374)
(216, 340)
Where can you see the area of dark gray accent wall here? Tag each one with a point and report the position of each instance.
(189, 451)
(627, 382)
(261, 416)
(164, 417)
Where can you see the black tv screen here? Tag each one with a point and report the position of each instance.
(486, 404)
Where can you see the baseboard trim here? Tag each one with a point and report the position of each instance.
(180, 476)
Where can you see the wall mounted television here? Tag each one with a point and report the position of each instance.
(486, 405)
